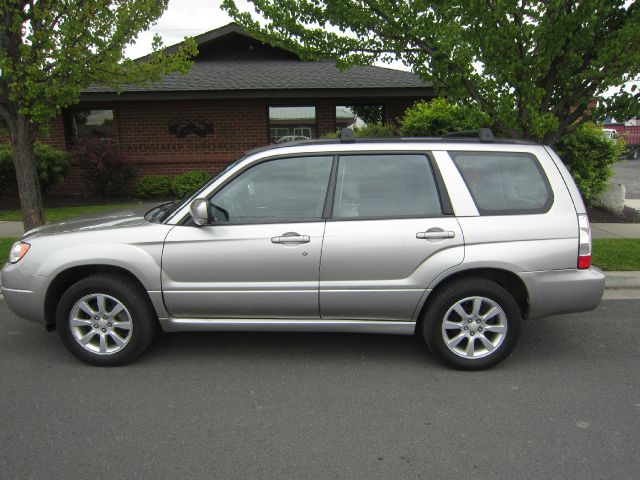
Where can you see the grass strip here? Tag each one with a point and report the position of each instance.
(616, 254)
(58, 214)
(5, 247)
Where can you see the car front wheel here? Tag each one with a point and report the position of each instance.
(472, 324)
(105, 320)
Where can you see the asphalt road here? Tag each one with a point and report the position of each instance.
(627, 172)
(278, 406)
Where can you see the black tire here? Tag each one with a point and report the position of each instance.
(138, 320)
(440, 308)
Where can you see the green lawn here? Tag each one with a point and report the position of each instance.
(616, 254)
(5, 246)
(63, 213)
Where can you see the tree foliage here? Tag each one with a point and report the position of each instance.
(531, 66)
(439, 117)
(589, 156)
(51, 50)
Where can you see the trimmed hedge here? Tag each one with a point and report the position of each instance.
(187, 182)
(153, 186)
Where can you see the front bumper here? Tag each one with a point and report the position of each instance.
(23, 293)
(563, 291)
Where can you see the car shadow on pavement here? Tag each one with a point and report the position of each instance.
(260, 346)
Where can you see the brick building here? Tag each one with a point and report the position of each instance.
(239, 94)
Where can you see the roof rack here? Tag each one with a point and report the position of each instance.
(347, 136)
(483, 134)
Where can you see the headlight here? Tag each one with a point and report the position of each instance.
(18, 251)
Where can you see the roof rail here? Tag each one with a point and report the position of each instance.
(486, 135)
(483, 134)
(346, 136)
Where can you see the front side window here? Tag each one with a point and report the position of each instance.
(289, 123)
(397, 185)
(504, 183)
(282, 190)
(91, 123)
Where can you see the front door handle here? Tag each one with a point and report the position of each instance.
(435, 234)
(291, 237)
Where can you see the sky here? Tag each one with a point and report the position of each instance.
(191, 18)
(182, 18)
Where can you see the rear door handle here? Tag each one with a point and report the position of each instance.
(291, 237)
(435, 234)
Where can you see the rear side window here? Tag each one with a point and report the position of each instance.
(399, 185)
(505, 183)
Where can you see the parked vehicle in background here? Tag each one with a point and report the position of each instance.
(455, 240)
(291, 138)
(629, 132)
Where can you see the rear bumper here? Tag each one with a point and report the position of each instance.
(563, 291)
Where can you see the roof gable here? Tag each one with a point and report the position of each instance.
(231, 42)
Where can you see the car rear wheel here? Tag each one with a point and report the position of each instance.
(105, 320)
(472, 324)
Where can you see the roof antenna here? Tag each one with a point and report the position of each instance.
(346, 136)
(486, 135)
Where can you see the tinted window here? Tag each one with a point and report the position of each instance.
(287, 189)
(385, 186)
(290, 123)
(91, 123)
(505, 183)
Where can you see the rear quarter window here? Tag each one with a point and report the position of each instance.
(505, 183)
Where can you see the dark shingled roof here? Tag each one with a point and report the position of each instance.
(217, 75)
(232, 63)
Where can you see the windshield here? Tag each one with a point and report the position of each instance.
(160, 213)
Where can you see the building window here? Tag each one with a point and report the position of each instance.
(358, 116)
(91, 123)
(288, 123)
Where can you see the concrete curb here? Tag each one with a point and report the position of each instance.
(622, 280)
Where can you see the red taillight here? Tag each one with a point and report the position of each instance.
(584, 246)
(584, 262)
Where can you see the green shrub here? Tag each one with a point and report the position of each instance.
(106, 168)
(52, 165)
(153, 186)
(588, 155)
(439, 117)
(187, 182)
(377, 130)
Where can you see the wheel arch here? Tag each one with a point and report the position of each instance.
(508, 280)
(64, 279)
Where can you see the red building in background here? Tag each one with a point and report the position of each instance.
(239, 94)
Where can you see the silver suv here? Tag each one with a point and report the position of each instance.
(455, 240)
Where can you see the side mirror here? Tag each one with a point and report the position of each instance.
(200, 212)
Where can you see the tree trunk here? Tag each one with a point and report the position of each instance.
(26, 173)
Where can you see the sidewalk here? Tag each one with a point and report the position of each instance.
(613, 230)
(11, 229)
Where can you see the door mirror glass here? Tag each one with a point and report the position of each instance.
(199, 210)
